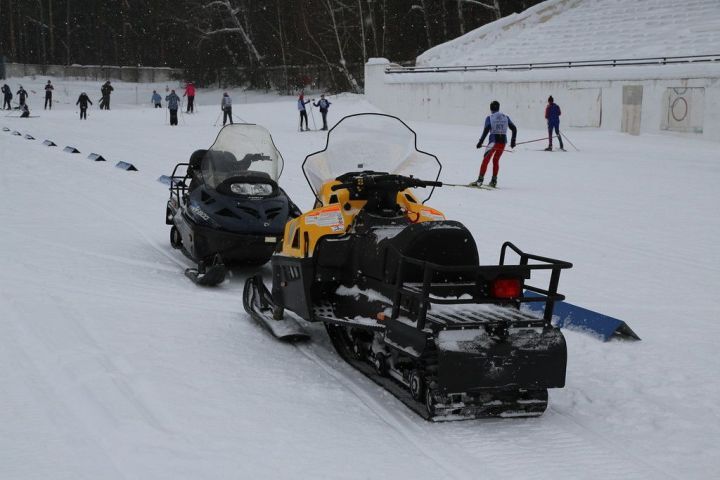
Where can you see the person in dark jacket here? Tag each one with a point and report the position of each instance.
(323, 104)
(496, 124)
(25, 111)
(83, 101)
(173, 102)
(106, 90)
(226, 107)
(552, 115)
(22, 95)
(156, 99)
(48, 95)
(303, 113)
(7, 96)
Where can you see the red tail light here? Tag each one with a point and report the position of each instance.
(505, 288)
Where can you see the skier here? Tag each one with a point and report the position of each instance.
(106, 90)
(552, 115)
(303, 113)
(173, 102)
(323, 104)
(25, 111)
(496, 124)
(190, 93)
(7, 96)
(226, 107)
(83, 101)
(48, 95)
(156, 99)
(22, 95)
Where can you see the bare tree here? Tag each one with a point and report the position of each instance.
(493, 6)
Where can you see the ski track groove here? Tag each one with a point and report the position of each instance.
(410, 431)
(574, 423)
(31, 349)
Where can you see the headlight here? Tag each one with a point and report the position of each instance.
(252, 189)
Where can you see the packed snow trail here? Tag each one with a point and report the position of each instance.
(115, 366)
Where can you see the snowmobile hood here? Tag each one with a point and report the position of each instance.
(239, 149)
(370, 142)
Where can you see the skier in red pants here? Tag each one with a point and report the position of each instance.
(496, 124)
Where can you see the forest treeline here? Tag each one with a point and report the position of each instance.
(263, 43)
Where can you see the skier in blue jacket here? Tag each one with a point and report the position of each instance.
(552, 115)
(496, 124)
(303, 113)
(323, 104)
(156, 99)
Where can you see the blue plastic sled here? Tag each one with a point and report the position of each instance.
(572, 317)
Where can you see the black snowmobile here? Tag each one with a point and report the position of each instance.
(225, 205)
(400, 289)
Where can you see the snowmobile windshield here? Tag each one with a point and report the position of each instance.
(370, 142)
(241, 149)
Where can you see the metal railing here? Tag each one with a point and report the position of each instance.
(573, 64)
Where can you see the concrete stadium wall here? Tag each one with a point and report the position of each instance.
(95, 72)
(679, 99)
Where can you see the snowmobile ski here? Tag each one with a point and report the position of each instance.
(208, 276)
(259, 304)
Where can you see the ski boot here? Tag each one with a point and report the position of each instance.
(477, 183)
(549, 149)
(493, 182)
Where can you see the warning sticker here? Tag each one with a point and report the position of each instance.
(327, 217)
(433, 214)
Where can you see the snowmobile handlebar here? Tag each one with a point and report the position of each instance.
(386, 182)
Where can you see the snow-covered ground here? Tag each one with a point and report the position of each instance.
(575, 30)
(113, 365)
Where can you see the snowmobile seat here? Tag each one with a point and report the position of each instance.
(217, 165)
(193, 170)
(446, 243)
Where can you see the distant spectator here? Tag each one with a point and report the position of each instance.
(7, 96)
(226, 107)
(173, 101)
(156, 99)
(552, 115)
(303, 113)
(323, 104)
(106, 90)
(22, 95)
(25, 111)
(48, 95)
(190, 92)
(83, 101)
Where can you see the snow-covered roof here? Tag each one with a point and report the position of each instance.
(573, 30)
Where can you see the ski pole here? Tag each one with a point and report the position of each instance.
(217, 119)
(568, 140)
(504, 151)
(536, 140)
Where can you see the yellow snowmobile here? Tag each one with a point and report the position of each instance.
(400, 288)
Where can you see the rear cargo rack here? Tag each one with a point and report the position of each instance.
(178, 187)
(429, 292)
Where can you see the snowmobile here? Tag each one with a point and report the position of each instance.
(400, 290)
(226, 207)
